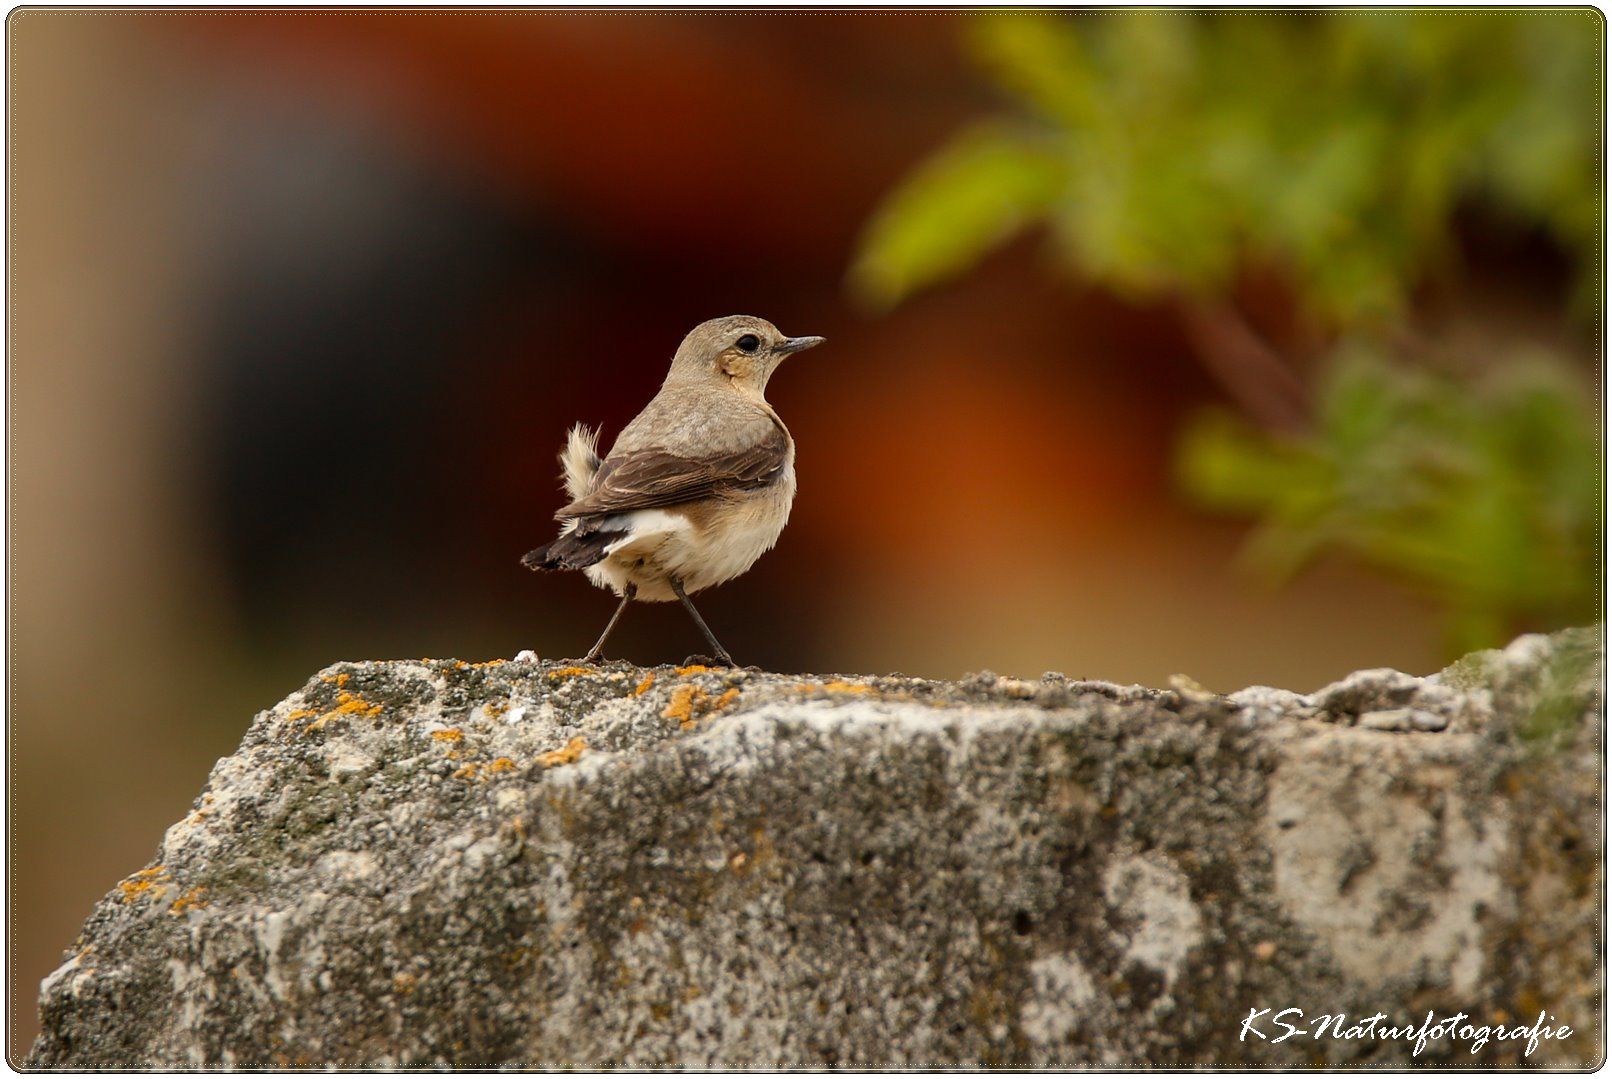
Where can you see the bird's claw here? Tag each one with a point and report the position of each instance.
(707, 661)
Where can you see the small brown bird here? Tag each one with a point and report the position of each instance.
(697, 486)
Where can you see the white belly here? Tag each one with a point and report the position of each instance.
(662, 544)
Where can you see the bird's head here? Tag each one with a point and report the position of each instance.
(741, 349)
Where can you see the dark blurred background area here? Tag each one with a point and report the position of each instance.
(1258, 353)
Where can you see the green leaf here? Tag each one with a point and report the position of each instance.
(1171, 149)
(988, 184)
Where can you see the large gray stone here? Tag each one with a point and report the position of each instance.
(436, 863)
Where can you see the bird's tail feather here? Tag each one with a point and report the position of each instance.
(571, 551)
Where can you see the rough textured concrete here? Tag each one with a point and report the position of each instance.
(436, 863)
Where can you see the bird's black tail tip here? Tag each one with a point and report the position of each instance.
(539, 560)
(574, 550)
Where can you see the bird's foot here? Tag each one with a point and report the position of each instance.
(707, 661)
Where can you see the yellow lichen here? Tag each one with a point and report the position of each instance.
(146, 882)
(347, 704)
(497, 708)
(302, 713)
(404, 984)
(339, 679)
(567, 672)
(690, 702)
(681, 706)
(452, 734)
(352, 704)
(643, 687)
(490, 663)
(480, 770)
(190, 899)
(573, 749)
(695, 668)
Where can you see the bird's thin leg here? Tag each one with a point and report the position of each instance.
(677, 586)
(597, 650)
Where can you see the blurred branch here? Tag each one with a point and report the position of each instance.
(1240, 359)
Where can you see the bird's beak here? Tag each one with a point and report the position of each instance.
(796, 344)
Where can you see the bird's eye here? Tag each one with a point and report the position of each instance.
(748, 343)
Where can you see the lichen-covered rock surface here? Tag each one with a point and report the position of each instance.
(442, 864)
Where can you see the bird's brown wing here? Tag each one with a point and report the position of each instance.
(649, 479)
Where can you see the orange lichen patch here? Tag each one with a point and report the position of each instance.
(643, 687)
(190, 899)
(481, 770)
(840, 686)
(404, 984)
(347, 704)
(490, 663)
(681, 706)
(573, 750)
(302, 713)
(339, 679)
(688, 703)
(696, 668)
(567, 672)
(452, 734)
(460, 665)
(496, 708)
(147, 881)
(351, 704)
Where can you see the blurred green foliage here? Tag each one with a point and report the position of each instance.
(1165, 152)
(1487, 494)
(1164, 148)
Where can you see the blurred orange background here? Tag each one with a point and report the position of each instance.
(302, 304)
